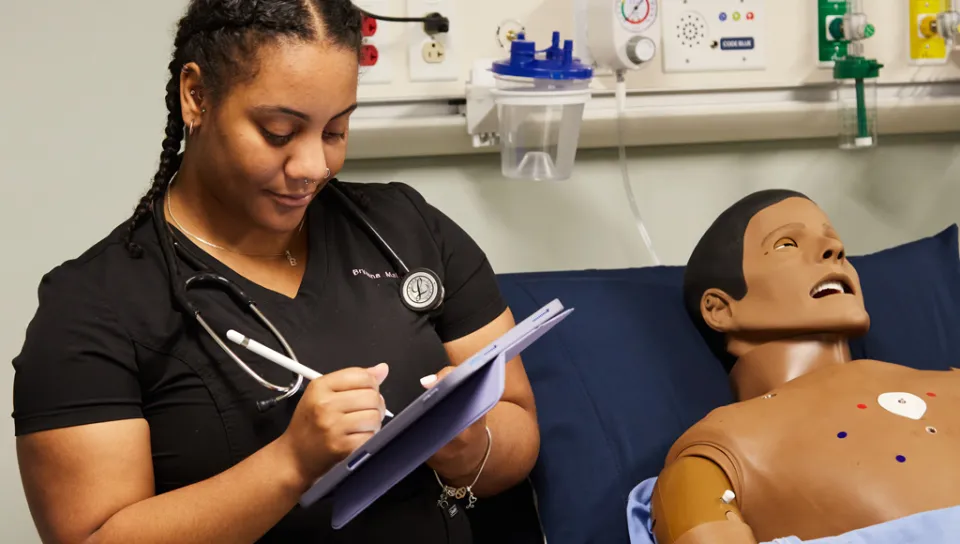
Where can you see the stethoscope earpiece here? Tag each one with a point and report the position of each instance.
(266, 404)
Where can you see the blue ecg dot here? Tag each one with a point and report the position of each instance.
(841, 434)
(901, 458)
(723, 16)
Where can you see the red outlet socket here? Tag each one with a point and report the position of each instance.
(368, 26)
(368, 55)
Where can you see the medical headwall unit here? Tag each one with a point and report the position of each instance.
(688, 71)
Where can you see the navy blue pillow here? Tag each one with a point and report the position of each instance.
(626, 374)
(913, 297)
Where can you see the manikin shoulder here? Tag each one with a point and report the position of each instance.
(718, 427)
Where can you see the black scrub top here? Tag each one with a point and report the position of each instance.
(108, 344)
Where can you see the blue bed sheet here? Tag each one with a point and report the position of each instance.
(934, 527)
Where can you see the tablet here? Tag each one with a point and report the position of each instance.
(428, 423)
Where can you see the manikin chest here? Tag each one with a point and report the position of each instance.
(848, 448)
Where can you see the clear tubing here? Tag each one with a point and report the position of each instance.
(621, 94)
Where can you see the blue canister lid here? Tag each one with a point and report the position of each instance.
(556, 63)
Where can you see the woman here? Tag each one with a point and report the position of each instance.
(134, 426)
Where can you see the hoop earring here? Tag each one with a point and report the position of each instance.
(327, 176)
(191, 127)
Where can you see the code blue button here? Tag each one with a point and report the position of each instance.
(736, 44)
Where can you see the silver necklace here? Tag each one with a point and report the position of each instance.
(290, 258)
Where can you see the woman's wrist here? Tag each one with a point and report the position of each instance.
(463, 469)
(462, 490)
(289, 472)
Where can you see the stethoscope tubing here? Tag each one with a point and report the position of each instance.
(170, 248)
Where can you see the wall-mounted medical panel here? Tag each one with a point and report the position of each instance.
(711, 36)
(789, 31)
(711, 56)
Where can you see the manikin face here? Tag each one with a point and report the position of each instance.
(799, 281)
(270, 133)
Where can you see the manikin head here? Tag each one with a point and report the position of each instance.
(771, 267)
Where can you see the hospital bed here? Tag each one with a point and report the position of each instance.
(620, 380)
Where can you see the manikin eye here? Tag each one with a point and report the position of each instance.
(784, 242)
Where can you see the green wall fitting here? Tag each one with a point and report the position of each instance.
(827, 10)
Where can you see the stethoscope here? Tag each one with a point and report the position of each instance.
(420, 289)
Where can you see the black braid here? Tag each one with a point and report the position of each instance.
(222, 37)
(169, 160)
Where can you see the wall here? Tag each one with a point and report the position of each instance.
(905, 189)
(81, 113)
(790, 95)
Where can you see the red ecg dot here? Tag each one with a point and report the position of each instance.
(931, 394)
(862, 406)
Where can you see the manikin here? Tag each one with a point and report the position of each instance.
(816, 445)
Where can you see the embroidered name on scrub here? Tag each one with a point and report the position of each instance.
(387, 274)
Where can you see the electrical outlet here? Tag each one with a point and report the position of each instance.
(377, 54)
(433, 52)
(432, 58)
(368, 27)
(369, 55)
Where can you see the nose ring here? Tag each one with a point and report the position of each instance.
(308, 181)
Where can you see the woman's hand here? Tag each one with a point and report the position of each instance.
(337, 414)
(459, 460)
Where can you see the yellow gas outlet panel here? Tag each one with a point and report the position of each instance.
(927, 46)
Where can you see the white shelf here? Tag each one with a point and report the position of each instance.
(432, 128)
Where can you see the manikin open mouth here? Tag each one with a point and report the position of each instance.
(831, 286)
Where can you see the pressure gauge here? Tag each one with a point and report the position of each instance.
(636, 15)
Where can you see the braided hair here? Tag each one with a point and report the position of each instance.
(222, 37)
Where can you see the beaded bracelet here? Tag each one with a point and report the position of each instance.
(461, 492)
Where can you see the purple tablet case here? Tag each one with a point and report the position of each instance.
(443, 412)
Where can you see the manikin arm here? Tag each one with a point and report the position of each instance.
(688, 505)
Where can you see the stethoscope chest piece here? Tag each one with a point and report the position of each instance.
(421, 290)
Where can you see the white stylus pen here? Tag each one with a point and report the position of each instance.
(278, 358)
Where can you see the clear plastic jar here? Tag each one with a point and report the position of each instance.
(540, 98)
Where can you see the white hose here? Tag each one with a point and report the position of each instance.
(621, 93)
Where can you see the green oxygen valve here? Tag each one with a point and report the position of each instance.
(843, 27)
(857, 102)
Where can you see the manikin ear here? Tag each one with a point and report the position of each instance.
(716, 307)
